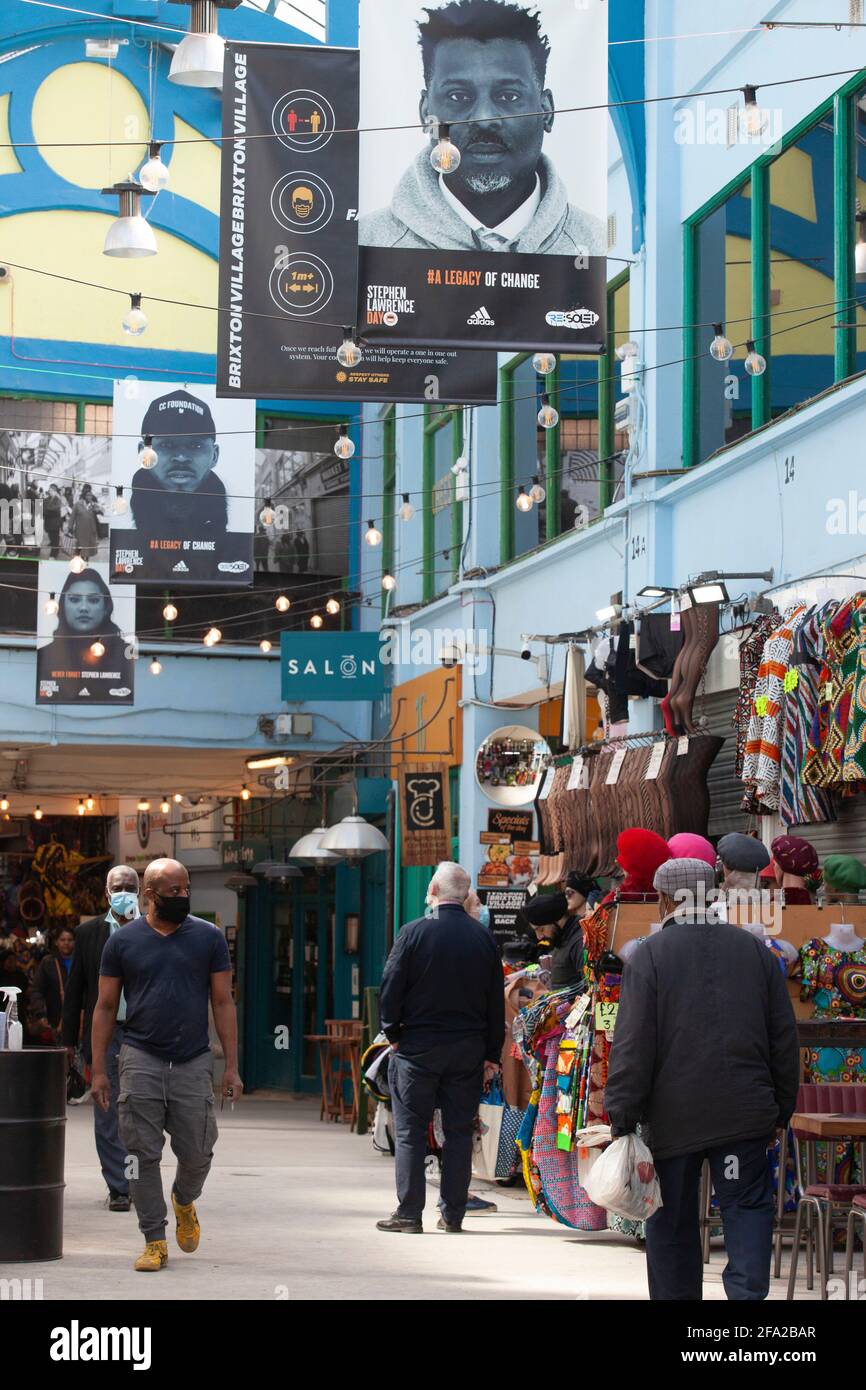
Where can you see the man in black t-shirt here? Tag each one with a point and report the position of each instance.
(168, 964)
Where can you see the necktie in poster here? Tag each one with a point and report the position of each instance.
(85, 650)
(289, 242)
(183, 470)
(504, 245)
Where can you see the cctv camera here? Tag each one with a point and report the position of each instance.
(525, 654)
(450, 656)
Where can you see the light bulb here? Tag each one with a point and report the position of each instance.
(265, 645)
(407, 511)
(524, 501)
(4, 803)
(371, 535)
(544, 363)
(266, 515)
(81, 808)
(120, 503)
(388, 581)
(754, 364)
(245, 792)
(212, 636)
(349, 355)
(177, 798)
(445, 156)
(169, 612)
(37, 814)
(344, 447)
(156, 667)
(548, 415)
(332, 607)
(89, 803)
(153, 175)
(721, 348)
(148, 457)
(164, 806)
(78, 564)
(282, 604)
(316, 620)
(97, 649)
(753, 118)
(51, 606)
(537, 492)
(144, 804)
(135, 320)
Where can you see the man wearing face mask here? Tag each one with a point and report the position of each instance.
(82, 989)
(167, 964)
(549, 918)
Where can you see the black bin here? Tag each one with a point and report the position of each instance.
(32, 1134)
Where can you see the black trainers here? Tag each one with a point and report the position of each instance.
(403, 1225)
(119, 1201)
(454, 1228)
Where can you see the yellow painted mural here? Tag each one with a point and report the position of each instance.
(111, 110)
(8, 161)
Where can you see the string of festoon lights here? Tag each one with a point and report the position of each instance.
(88, 804)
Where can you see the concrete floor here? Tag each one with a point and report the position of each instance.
(289, 1212)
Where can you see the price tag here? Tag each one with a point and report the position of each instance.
(605, 1017)
(577, 1013)
(577, 781)
(655, 762)
(616, 767)
(682, 745)
(676, 624)
(547, 784)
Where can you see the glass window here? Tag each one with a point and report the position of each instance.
(49, 417)
(724, 294)
(98, 419)
(801, 349)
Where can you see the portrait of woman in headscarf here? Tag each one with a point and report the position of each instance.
(86, 658)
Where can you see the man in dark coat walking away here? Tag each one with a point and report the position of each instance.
(705, 1055)
(442, 1007)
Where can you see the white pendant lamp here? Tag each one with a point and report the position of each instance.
(129, 235)
(198, 58)
(309, 849)
(353, 838)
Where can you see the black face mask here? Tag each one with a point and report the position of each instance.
(171, 909)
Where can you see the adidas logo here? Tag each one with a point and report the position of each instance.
(481, 319)
(181, 568)
(83, 691)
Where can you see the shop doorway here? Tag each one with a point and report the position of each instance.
(289, 983)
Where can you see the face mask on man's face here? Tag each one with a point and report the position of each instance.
(173, 909)
(484, 915)
(124, 905)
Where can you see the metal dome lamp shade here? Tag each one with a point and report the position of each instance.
(353, 838)
(198, 58)
(240, 882)
(129, 235)
(309, 849)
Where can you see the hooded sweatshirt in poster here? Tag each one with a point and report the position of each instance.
(185, 464)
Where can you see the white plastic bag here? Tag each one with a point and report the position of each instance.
(624, 1179)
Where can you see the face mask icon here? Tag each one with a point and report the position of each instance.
(302, 203)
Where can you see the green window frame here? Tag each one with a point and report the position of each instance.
(389, 494)
(841, 107)
(436, 419)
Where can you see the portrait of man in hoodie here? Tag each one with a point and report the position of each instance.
(485, 65)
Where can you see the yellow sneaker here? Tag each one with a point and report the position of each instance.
(155, 1256)
(188, 1230)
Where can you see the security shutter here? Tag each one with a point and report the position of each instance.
(845, 835)
(714, 713)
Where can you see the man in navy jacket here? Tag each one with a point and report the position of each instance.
(442, 1007)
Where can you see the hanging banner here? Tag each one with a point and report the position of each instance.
(289, 242)
(85, 652)
(186, 465)
(425, 814)
(507, 250)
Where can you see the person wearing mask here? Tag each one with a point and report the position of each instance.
(442, 1008)
(82, 989)
(705, 1055)
(167, 965)
(49, 984)
(476, 908)
(560, 934)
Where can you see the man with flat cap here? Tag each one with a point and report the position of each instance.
(743, 859)
(179, 504)
(705, 1058)
(550, 920)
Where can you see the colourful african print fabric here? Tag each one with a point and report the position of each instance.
(854, 758)
(800, 803)
(763, 758)
(751, 652)
(825, 751)
(836, 980)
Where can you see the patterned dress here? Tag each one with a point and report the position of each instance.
(763, 759)
(836, 980)
(825, 752)
(854, 758)
(751, 651)
(799, 803)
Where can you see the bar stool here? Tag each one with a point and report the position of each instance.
(343, 1050)
(857, 1213)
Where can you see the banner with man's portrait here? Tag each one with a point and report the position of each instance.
(85, 650)
(183, 473)
(503, 244)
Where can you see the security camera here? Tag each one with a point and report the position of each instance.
(450, 656)
(525, 654)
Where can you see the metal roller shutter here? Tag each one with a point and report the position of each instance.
(726, 790)
(845, 835)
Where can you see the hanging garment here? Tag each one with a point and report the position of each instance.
(700, 636)
(657, 646)
(800, 803)
(573, 731)
(628, 680)
(854, 757)
(836, 980)
(751, 652)
(686, 789)
(825, 752)
(762, 763)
